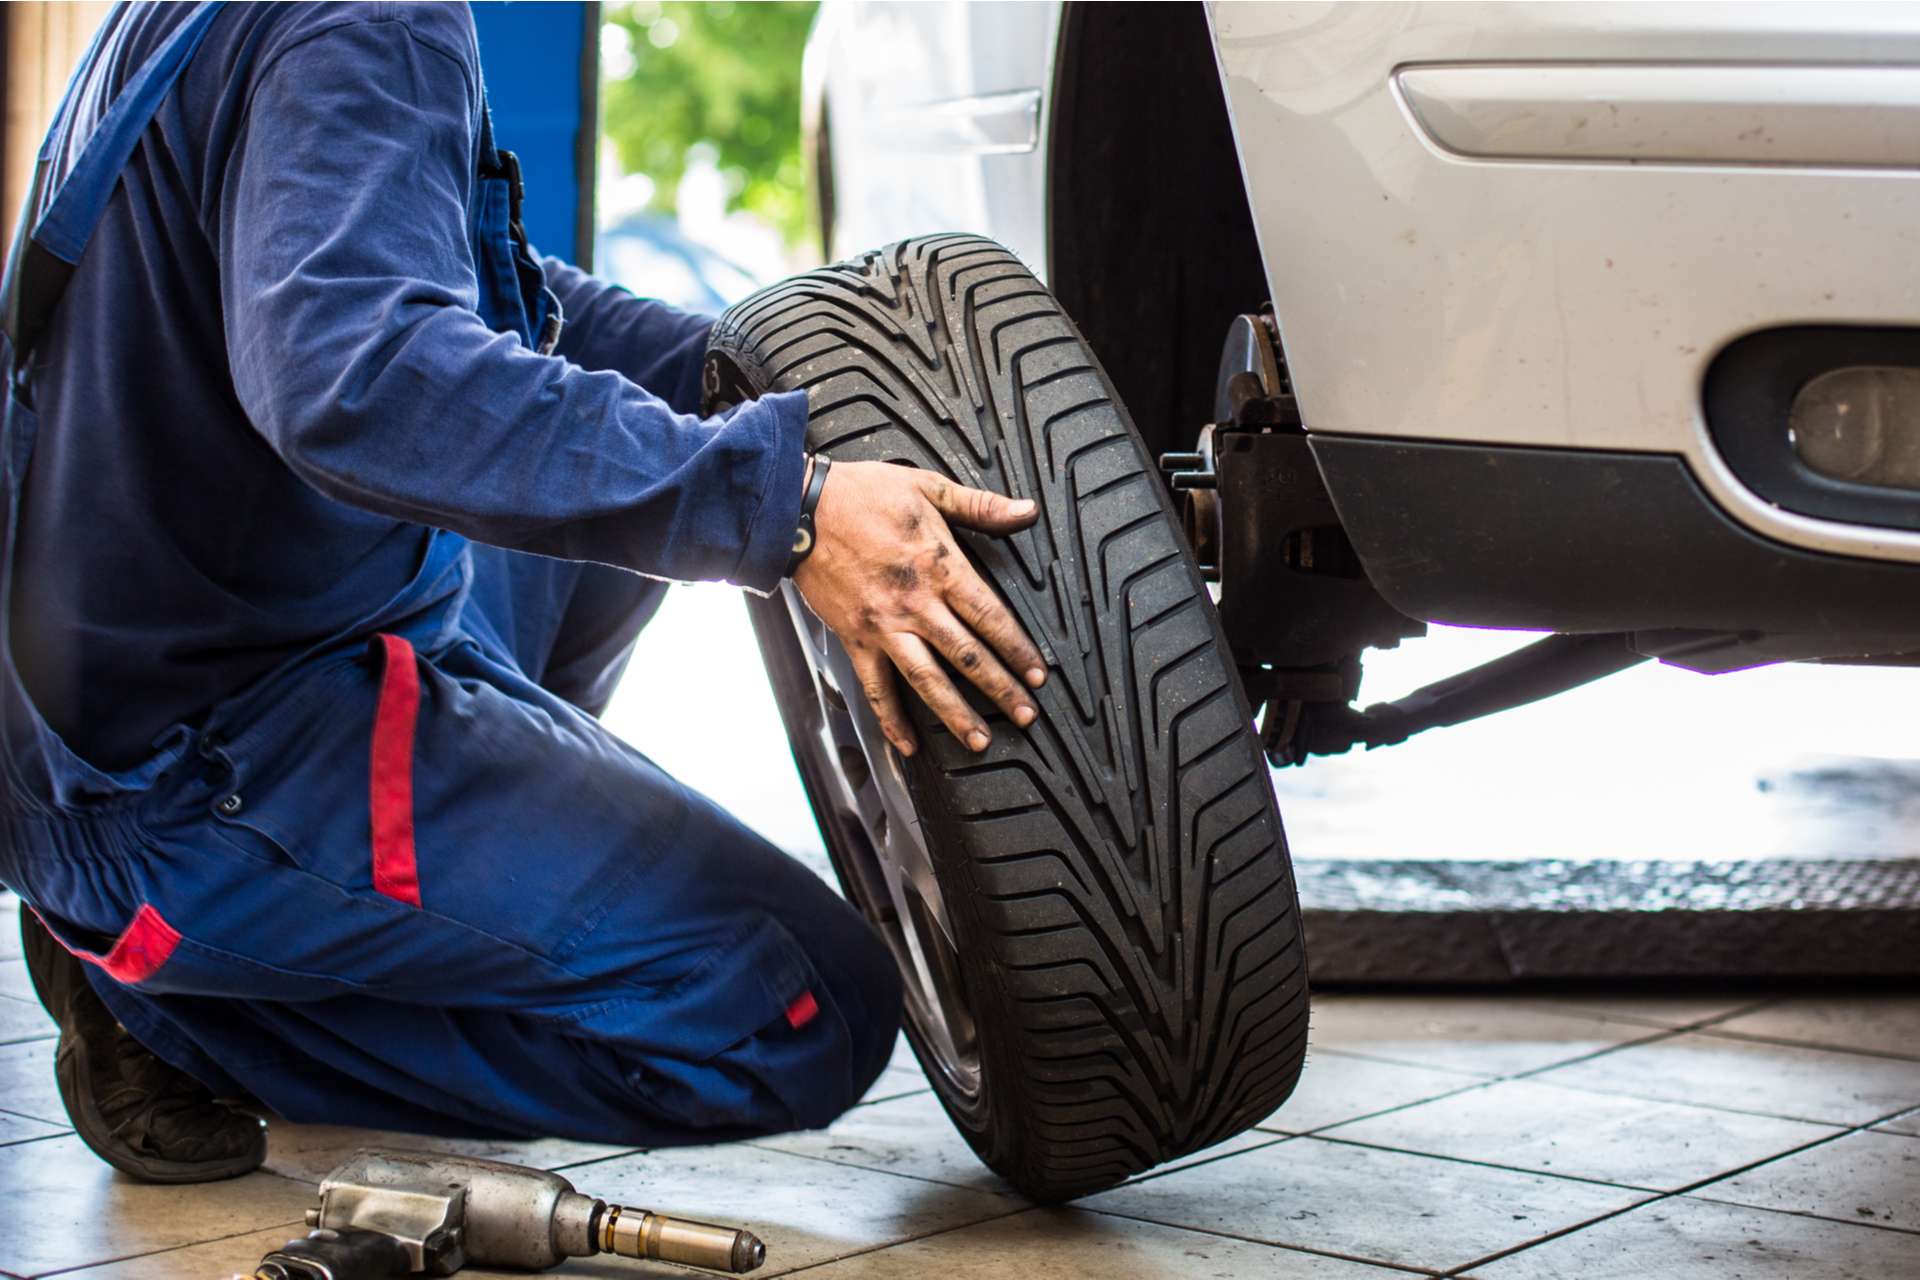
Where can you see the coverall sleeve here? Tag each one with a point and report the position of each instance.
(349, 293)
(643, 340)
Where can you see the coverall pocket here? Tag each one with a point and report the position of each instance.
(152, 955)
(291, 786)
(141, 950)
(748, 1040)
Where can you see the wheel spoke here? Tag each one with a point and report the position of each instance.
(869, 791)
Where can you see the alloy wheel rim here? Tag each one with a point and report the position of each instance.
(890, 869)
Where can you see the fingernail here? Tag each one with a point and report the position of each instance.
(1036, 676)
(978, 740)
(1023, 715)
(1023, 506)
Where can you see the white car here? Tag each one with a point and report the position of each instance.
(1595, 319)
(1666, 250)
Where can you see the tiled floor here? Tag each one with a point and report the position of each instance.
(1490, 1136)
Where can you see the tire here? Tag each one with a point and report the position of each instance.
(1096, 919)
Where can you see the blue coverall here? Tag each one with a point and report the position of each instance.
(317, 572)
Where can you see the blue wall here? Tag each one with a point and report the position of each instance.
(531, 55)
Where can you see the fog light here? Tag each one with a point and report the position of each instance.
(1861, 424)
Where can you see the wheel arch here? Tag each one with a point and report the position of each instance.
(1141, 172)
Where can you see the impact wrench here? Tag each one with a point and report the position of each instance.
(401, 1213)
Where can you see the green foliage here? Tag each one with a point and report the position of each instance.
(719, 76)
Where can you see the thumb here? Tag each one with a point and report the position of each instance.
(980, 509)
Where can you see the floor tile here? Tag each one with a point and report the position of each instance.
(1381, 1206)
(1244, 1141)
(61, 1207)
(903, 1075)
(20, 1020)
(903, 1057)
(1863, 1177)
(1526, 1125)
(20, 1129)
(910, 1135)
(1477, 1034)
(9, 926)
(895, 1083)
(14, 980)
(1334, 1088)
(1751, 1075)
(1872, 1023)
(1652, 1010)
(807, 1211)
(1063, 1244)
(236, 1256)
(27, 1085)
(308, 1152)
(1907, 1124)
(1686, 1239)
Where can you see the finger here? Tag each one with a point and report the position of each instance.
(986, 615)
(876, 683)
(980, 509)
(922, 670)
(976, 662)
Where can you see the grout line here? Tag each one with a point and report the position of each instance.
(1785, 1043)
(1162, 1171)
(894, 1244)
(27, 1115)
(1384, 1111)
(1738, 1011)
(1712, 1019)
(1402, 1062)
(1807, 1213)
(1654, 1035)
(758, 1145)
(1837, 1130)
(1702, 1106)
(1658, 1037)
(1488, 1164)
(1846, 1132)
(1497, 1255)
(1686, 1192)
(38, 1137)
(890, 1097)
(1658, 1033)
(294, 1225)
(593, 1160)
(1271, 1244)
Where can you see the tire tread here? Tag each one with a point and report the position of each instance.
(1122, 859)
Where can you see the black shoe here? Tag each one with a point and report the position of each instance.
(140, 1115)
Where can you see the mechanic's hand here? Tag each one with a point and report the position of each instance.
(885, 574)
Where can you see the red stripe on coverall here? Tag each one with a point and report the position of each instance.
(802, 1011)
(395, 872)
(140, 950)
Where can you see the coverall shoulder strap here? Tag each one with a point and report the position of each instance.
(42, 262)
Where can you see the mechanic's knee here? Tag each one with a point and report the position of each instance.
(873, 1012)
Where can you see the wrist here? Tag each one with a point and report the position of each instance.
(814, 483)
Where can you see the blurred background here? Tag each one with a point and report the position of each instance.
(702, 192)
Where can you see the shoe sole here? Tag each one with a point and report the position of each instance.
(70, 1062)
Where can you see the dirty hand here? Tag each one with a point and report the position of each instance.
(885, 574)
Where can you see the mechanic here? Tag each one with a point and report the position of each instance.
(322, 558)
